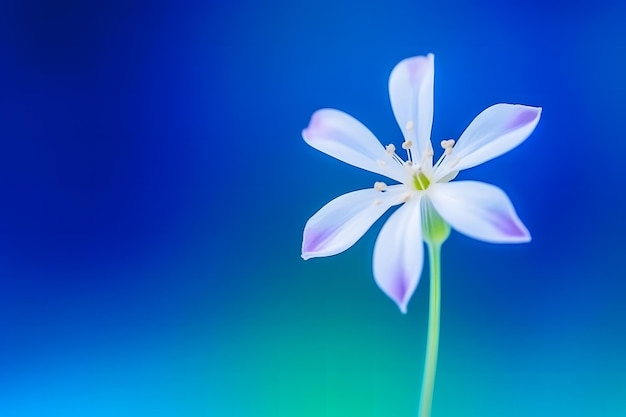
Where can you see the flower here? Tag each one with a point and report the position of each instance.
(425, 193)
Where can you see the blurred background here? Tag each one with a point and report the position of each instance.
(155, 186)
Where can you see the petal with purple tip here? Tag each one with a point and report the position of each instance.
(343, 137)
(478, 210)
(399, 253)
(495, 131)
(411, 86)
(340, 223)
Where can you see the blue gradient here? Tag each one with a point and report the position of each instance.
(155, 187)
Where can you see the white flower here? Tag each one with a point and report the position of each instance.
(476, 209)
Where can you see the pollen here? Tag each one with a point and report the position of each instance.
(409, 125)
(407, 144)
(378, 202)
(447, 145)
(391, 149)
(380, 186)
(381, 164)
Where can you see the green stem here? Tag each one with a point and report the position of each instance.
(432, 345)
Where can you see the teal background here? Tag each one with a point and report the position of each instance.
(155, 186)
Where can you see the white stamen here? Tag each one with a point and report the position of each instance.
(378, 202)
(405, 197)
(447, 145)
(409, 125)
(380, 186)
(391, 151)
(381, 164)
(440, 160)
(407, 144)
(427, 158)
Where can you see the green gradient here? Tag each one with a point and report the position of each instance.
(338, 347)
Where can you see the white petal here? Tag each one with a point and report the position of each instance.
(399, 253)
(411, 93)
(341, 222)
(478, 210)
(342, 136)
(495, 131)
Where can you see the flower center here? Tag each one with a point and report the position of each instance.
(418, 172)
(420, 181)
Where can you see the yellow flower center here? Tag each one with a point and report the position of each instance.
(420, 181)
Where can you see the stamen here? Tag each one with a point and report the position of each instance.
(380, 186)
(447, 145)
(378, 202)
(440, 160)
(427, 158)
(381, 164)
(409, 125)
(406, 145)
(391, 151)
(405, 196)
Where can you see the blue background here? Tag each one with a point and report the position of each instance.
(155, 185)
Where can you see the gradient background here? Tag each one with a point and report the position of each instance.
(155, 185)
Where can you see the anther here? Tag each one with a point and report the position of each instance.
(407, 144)
(409, 125)
(380, 186)
(378, 202)
(405, 197)
(381, 164)
(447, 145)
(391, 149)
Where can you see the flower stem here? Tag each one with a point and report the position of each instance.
(432, 344)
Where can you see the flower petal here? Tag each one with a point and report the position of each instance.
(399, 253)
(343, 137)
(478, 210)
(411, 93)
(495, 131)
(340, 223)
